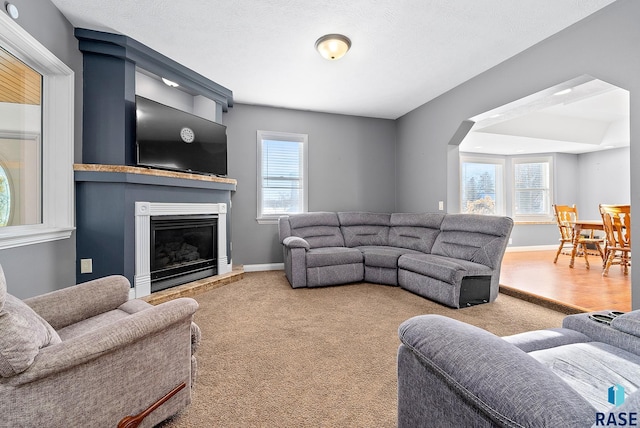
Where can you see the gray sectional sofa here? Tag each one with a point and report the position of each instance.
(585, 374)
(453, 259)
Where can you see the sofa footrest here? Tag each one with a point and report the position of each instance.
(334, 275)
(381, 263)
(381, 275)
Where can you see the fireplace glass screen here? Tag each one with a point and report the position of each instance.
(183, 249)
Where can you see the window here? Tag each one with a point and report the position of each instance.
(5, 198)
(36, 135)
(481, 185)
(282, 175)
(532, 189)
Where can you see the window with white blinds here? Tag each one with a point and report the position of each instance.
(532, 188)
(282, 175)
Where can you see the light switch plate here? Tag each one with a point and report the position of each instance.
(86, 265)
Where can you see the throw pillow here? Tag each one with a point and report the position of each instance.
(24, 333)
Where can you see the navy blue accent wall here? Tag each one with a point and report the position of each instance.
(105, 201)
(105, 215)
(109, 110)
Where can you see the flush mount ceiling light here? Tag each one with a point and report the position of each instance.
(170, 83)
(333, 46)
(563, 92)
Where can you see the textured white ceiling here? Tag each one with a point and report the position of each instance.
(404, 53)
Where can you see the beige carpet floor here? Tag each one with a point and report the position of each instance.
(273, 356)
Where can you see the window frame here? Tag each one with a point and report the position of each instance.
(57, 141)
(546, 217)
(261, 135)
(501, 202)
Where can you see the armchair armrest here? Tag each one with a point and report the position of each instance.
(72, 304)
(449, 369)
(295, 242)
(109, 338)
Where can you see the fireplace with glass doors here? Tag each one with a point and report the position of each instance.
(183, 249)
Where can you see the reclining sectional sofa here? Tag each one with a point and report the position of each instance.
(453, 259)
(584, 374)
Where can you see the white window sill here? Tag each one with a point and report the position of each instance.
(17, 236)
(534, 220)
(267, 220)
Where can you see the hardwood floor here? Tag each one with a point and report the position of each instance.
(582, 289)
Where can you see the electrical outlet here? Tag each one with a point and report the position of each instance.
(441, 205)
(86, 265)
(510, 241)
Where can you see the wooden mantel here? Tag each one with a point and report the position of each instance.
(85, 167)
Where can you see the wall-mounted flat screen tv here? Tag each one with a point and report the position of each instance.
(168, 138)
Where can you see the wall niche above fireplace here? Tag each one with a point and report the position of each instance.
(114, 66)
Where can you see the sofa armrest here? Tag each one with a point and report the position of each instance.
(544, 339)
(295, 266)
(108, 338)
(72, 304)
(476, 374)
(295, 242)
(619, 333)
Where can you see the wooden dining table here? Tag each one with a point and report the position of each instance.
(578, 226)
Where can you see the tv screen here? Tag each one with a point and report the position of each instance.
(169, 138)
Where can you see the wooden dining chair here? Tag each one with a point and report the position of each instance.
(617, 227)
(566, 216)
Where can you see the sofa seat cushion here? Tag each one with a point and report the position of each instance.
(332, 256)
(386, 257)
(442, 268)
(592, 368)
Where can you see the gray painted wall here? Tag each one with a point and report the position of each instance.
(603, 46)
(351, 167)
(35, 269)
(604, 177)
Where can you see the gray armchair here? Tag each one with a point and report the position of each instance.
(87, 356)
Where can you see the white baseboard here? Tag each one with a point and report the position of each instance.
(263, 267)
(532, 248)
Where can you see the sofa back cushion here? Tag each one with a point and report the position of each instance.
(364, 228)
(473, 237)
(319, 229)
(415, 231)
